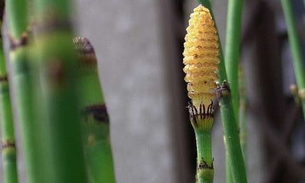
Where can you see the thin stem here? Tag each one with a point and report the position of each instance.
(297, 60)
(232, 49)
(231, 136)
(205, 170)
(6, 119)
(232, 60)
(95, 120)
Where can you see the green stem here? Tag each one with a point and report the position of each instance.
(205, 171)
(7, 125)
(232, 143)
(231, 136)
(96, 132)
(6, 119)
(296, 50)
(20, 72)
(232, 60)
(58, 93)
(202, 122)
(232, 49)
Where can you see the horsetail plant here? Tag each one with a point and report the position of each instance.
(58, 92)
(95, 120)
(201, 66)
(297, 59)
(232, 54)
(6, 118)
(16, 11)
(231, 137)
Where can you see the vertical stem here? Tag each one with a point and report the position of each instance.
(232, 59)
(205, 171)
(58, 92)
(95, 120)
(17, 22)
(6, 119)
(232, 49)
(297, 60)
(231, 136)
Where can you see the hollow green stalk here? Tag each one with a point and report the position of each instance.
(232, 52)
(202, 127)
(6, 118)
(205, 171)
(231, 135)
(95, 120)
(21, 81)
(297, 60)
(57, 92)
(232, 61)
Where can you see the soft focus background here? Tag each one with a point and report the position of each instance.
(139, 46)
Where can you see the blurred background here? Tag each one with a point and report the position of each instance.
(139, 46)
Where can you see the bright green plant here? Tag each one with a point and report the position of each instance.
(95, 120)
(57, 93)
(16, 11)
(201, 64)
(297, 59)
(6, 119)
(231, 135)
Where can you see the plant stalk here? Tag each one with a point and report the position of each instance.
(21, 79)
(205, 169)
(232, 54)
(58, 99)
(297, 59)
(6, 118)
(231, 135)
(95, 120)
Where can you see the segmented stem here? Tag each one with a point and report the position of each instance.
(95, 120)
(201, 67)
(8, 146)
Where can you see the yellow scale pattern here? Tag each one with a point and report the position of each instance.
(201, 51)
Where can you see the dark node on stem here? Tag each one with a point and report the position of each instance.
(223, 89)
(7, 144)
(85, 50)
(3, 78)
(204, 165)
(99, 113)
(17, 43)
(201, 113)
(83, 45)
